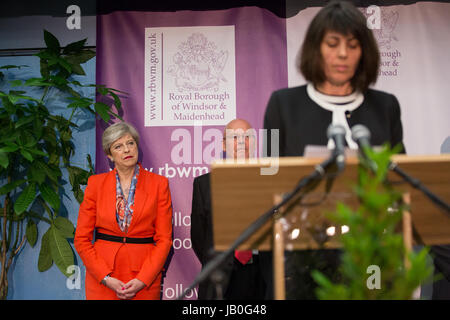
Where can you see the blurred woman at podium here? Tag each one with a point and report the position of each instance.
(339, 59)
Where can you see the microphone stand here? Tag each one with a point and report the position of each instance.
(415, 183)
(309, 182)
(361, 135)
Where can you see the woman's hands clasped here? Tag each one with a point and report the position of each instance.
(127, 290)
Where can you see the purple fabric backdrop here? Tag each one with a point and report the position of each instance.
(260, 68)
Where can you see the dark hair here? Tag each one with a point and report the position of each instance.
(342, 17)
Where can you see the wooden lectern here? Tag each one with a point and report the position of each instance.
(241, 194)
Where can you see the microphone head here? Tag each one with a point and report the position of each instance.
(335, 130)
(360, 132)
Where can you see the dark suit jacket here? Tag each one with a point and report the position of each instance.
(302, 122)
(202, 241)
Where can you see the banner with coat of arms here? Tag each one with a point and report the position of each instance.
(188, 77)
(188, 73)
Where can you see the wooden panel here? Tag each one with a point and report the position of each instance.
(432, 224)
(240, 194)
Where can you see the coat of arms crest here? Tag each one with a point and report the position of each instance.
(198, 64)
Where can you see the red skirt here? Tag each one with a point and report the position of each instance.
(122, 271)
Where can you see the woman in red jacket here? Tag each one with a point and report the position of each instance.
(129, 211)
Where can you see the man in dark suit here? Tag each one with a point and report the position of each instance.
(241, 279)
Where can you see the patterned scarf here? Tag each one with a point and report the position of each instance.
(124, 207)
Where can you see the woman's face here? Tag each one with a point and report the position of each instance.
(124, 152)
(341, 55)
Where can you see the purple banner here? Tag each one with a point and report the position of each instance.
(187, 74)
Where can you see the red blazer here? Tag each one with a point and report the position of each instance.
(152, 217)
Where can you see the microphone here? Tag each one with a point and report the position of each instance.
(337, 133)
(361, 135)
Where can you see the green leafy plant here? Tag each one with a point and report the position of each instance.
(373, 243)
(36, 146)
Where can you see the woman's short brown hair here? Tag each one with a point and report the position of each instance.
(342, 17)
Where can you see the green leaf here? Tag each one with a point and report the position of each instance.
(58, 80)
(66, 134)
(25, 199)
(47, 54)
(49, 135)
(102, 90)
(117, 116)
(61, 250)
(45, 72)
(16, 83)
(117, 101)
(77, 69)
(45, 260)
(85, 56)
(52, 63)
(16, 217)
(26, 139)
(37, 82)
(37, 128)
(65, 64)
(30, 141)
(31, 232)
(10, 146)
(50, 196)
(90, 165)
(4, 161)
(23, 121)
(51, 171)
(17, 92)
(78, 194)
(115, 90)
(73, 92)
(14, 98)
(78, 175)
(51, 42)
(321, 279)
(9, 106)
(38, 152)
(74, 46)
(80, 102)
(11, 186)
(10, 66)
(36, 174)
(54, 160)
(65, 226)
(32, 214)
(26, 155)
(102, 109)
(76, 83)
